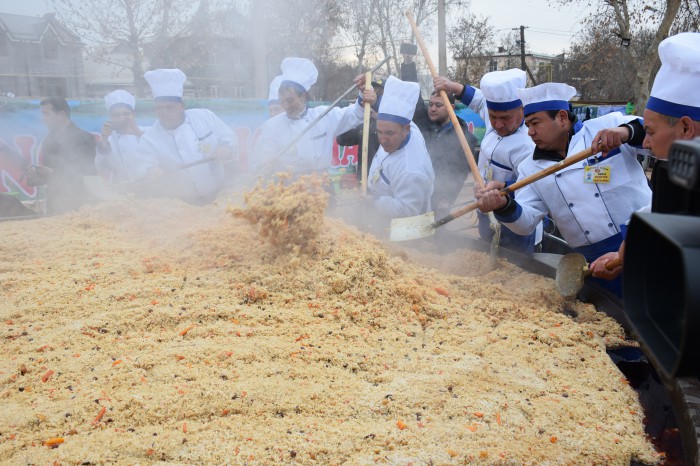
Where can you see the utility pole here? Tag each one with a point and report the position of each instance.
(442, 42)
(523, 64)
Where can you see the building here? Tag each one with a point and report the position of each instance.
(544, 68)
(39, 57)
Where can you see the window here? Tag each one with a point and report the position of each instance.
(493, 65)
(4, 45)
(50, 46)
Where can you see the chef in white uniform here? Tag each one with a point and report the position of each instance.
(181, 137)
(401, 176)
(118, 158)
(313, 152)
(505, 143)
(590, 201)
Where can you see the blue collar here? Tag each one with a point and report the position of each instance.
(446, 127)
(405, 141)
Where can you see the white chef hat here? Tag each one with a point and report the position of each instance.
(500, 88)
(120, 97)
(274, 89)
(399, 101)
(547, 96)
(298, 72)
(676, 89)
(166, 84)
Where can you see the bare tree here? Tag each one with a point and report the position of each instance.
(471, 42)
(107, 24)
(626, 19)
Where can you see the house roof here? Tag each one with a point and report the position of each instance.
(32, 28)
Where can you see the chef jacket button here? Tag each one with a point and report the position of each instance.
(571, 204)
(597, 194)
(610, 225)
(586, 232)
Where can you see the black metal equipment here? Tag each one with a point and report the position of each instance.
(684, 164)
(662, 289)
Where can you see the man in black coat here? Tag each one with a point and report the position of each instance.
(449, 161)
(68, 155)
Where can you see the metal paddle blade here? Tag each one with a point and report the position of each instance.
(570, 274)
(98, 187)
(408, 228)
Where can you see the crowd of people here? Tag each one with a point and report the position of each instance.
(416, 163)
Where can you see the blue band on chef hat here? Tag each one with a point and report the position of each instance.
(393, 118)
(500, 106)
(293, 85)
(671, 109)
(546, 105)
(168, 98)
(121, 105)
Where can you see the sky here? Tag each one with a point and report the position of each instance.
(550, 26)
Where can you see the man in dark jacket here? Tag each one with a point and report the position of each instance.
(68, 155)
(449, 161)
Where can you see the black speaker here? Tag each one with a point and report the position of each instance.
(661, 287)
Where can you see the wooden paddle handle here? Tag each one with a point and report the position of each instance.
(365, 135)
(520, 184)
(609, 265)
(448, 105)
(584, 154)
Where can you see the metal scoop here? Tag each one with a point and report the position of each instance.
(572, 270)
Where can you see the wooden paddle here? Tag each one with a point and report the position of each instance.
(365, 135)
(494, 224)
(98, 187)
(420, 226)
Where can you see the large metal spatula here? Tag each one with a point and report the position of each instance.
(572, 270)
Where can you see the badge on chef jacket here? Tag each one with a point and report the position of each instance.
(596, 174)
(204, 147)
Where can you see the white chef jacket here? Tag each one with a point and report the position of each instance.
(586, 213)
(124, 162)
(314, 150)
(402, 182)
(501, 154)
(195, 139)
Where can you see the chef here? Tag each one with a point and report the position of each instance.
(505, 144)
(182, 136)
(401, 176)
(313, 152)
(671, 114)
(589, 201)
(118, 158)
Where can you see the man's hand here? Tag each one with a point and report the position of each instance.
(441, 83)
(106, 131)
(609, 139)
(489, 198)
(369, 96)
(488, 187)
(600, 271)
